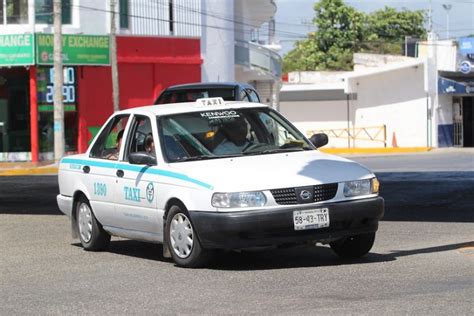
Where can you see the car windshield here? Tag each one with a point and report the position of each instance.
(228, 133)
(191, 95)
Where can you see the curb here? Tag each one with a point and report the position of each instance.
(355, 151)
(29, 171)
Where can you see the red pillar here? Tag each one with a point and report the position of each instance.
(33, 115)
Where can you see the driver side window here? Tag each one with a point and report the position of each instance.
(141, 137)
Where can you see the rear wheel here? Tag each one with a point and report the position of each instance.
(182, 240)
(93, 237)
(354, 246)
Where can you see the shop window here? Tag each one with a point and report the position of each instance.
(44, 11)
(45, 86)
(2, 21)
(17, 11)
(46, 132)
(124, 11)
(171, 14)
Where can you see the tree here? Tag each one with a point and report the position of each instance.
(388, 27)
(343, 31)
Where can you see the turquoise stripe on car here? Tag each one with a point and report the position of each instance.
(140, 169)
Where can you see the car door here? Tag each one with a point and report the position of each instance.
(99, 170)
(137, 190)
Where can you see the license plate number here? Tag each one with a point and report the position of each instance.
(311, 219)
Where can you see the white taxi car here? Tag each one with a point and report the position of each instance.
(216, 175)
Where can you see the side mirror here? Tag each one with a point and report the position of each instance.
(142, 158)
(319, 140)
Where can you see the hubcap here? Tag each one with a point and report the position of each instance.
(181, 235)
(85, 222)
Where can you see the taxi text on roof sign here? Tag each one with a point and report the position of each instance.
(210, 101)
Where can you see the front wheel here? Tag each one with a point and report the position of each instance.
(354, 246)
(93, 237)
(182, 239)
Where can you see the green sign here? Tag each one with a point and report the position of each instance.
(16, 50)
(77, 49)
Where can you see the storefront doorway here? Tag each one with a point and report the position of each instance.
(14, 114)
(468, 121)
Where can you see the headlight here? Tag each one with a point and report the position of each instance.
(361, 187)
(238, 199)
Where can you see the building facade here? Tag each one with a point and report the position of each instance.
(382, 103)
(159, 43)
(453, 83)
(390, 101)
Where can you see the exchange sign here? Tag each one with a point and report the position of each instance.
(76, 49)
(16, 50)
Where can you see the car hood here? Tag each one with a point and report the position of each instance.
(272, 171)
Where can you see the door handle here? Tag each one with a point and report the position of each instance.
(86, 169)
(119, 173)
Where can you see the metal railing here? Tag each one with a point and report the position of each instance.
(368, 133)
(252, 55)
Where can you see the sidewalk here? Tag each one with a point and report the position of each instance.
(28, 168)
(375, 151)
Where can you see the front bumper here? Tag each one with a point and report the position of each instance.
(259, 228)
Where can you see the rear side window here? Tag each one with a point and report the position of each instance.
(244, 96)
(253, 96)
(109, 142)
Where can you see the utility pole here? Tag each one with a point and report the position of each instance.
(430, 17)
(58, 84)
(447, 7)
(113, 57)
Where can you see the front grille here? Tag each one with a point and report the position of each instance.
(285, 196)
(322, 192)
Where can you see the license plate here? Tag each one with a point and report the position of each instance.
(311, 219)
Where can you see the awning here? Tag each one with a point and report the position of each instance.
(451, 86)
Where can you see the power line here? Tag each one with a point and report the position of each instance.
(296, 35)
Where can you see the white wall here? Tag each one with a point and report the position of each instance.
(396, 99)
(311, 116)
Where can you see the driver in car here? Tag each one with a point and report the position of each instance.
(235, 140)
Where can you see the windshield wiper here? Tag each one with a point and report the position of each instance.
(274, 151)
(205, 157)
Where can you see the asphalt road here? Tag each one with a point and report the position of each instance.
(422, 261)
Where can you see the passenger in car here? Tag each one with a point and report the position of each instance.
(116, 151)
(149, 144)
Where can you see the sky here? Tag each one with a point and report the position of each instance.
(294, 17)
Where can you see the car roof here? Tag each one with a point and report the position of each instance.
(208, 85)
(186, 107)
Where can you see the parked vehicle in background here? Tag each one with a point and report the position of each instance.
(229, 91)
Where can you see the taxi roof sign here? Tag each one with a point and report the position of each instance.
(210, 101)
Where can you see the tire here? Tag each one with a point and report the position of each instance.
(354, 246)
(91, 234)
(186, 252)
